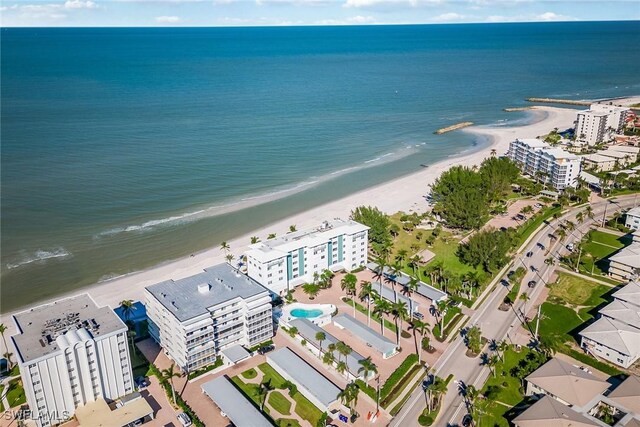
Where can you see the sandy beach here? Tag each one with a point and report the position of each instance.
(403, 194)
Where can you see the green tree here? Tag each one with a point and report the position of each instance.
(378, 223)
(460, 198)
(367, 367)
(168, 375)
(3, 330)
(254, 240)
(487, 248)
(367, 293)
(382, 307)
(497, 174)
(348, 285)
(420, 327)
(400, 313)
(311, 289)
(474, 339)
(320, 336)
(128, 307)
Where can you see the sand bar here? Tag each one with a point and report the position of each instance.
(402, 194)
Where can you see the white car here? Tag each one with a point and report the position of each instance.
(570, 246)
(184, 419)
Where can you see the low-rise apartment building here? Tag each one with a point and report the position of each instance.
(625, 264)
(553, 166)
(632, 219)
(598, 163)
(195, 318)
(295, 258)
(615, 336)
(71, 353)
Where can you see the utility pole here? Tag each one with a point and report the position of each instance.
(604, 215)
(538, 323)
(578, 262)
(378, 395)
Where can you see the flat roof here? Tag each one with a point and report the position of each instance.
(598, 158)
(304, 375)
(617, 154)
(364, 333)
(233, 403)
(193, 296)
(533, 142)
(236, 353)
(279, 247)
(47, 328)
(308, 330)
(100, 414)
(394, 296)
(425, 290)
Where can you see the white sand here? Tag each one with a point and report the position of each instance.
(403, 194)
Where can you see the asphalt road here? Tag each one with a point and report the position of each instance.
(498, 325)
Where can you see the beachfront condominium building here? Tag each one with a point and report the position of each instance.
(71, 352)
(600, 120)
(295, 258)
(197, 317)
(551, 166)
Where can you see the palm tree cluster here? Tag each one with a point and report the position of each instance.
(7, 354)
(435, 389)
(349, 397)
(320, 281)
(465, 285)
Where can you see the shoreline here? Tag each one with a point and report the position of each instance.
(401, 194)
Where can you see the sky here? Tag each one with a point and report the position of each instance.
(100, 13)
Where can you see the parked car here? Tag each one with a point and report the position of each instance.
(418, 315)
(266, 349)
(529, 254)
(537, 205)
(541, 246)
(142, 383)
(531, 284)
(533, 268)
(184, 419)
(570, 246)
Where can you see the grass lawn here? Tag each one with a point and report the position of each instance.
(576, 291)
(1, 392)
(279, 402)
(601, 246)
(529, 226)
(15, 394)
(305, 409)
(288, 422)
(250, 373)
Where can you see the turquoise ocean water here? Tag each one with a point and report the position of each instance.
(121, 147)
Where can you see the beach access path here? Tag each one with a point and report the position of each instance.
(403, 194)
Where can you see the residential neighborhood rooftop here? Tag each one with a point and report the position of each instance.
(548, 412)
(627, 394)
(233, 403)
(617, 335)
(629, 293)
(304, 375)
(47, 328)
(361, 331)
(194, 295)
(568, 382)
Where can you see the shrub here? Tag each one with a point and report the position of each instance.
(398, 374)
(425, 420)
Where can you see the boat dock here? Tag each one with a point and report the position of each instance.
(560, 101)
(512, 109)
(453, 127)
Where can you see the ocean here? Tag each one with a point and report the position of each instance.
(123, 148)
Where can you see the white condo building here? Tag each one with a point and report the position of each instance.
(633, 219)
(197, 317)
(288, 261)
(594, 124)
(539, 160)
(71, 353)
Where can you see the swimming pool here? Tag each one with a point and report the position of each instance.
(307, 314)
(320, 314)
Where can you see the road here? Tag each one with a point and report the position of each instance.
(498, 325)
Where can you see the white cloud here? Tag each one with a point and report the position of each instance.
(381, 4)
(168, 19)
(79, 4)
(544, 17)
(449, 17)
(354, 20)
(294, 2)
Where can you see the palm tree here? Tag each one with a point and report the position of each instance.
(589, 211)
(493, 152)
(320, 336)
(3, 329)
(396, 271)
(367, 368)
(420, 327)
(328, 358)
(441, 312)
(382, 307)
(344, 349)
(550, 261)
(168, 375)
(292, 228)
(400, 312)
(412, 286)
(492, 362)
(229, 258)
(271, 236)
(349, 396)
(311, 289)
(401, 256)
(501, 348)
(380, 263)
(341, 367)
(367, 293)
(224, 246)
(524, 297)
(348, 285)
(435, 389)
(7, 355)
(128, 307)
(414, 263)
(254, 240)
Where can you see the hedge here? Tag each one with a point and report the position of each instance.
(195, 374)
(398, 374)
